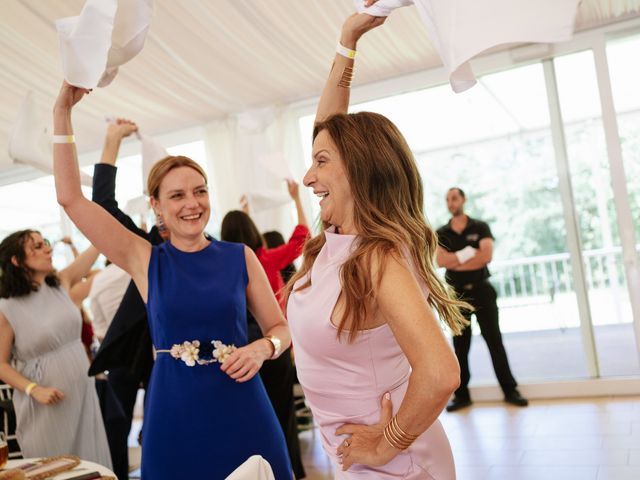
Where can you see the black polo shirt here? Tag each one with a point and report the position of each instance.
(451, 241)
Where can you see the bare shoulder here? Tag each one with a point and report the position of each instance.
(250, 258)
(390, 263)
(5, 326)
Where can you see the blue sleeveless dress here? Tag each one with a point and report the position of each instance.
(199, 422)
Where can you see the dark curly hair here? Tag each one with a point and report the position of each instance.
(16, 281)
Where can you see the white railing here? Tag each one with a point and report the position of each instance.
(546, 275)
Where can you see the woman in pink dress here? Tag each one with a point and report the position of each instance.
(371, 356)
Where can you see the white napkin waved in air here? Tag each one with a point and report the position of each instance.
(461, 29)
(152, 152)
(31, 143)
(106, 34)
(276, 164)
(261, 200)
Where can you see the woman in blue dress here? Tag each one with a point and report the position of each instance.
(206, 411)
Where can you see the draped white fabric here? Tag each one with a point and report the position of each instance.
(205, 60)
(461, 29)
(106, 34)
(152, 152)
(251, 154)
(31, 142)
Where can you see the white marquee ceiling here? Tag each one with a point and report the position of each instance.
(204, 59)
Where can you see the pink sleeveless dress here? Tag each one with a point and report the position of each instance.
(344, 383)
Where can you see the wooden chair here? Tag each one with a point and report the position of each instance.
(8, 422)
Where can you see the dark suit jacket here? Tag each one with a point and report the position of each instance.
(127, 342)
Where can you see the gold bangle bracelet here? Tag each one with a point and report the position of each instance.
(30, 388)
(396, 425)
(396, 436)
(346, 78)
(392, 440)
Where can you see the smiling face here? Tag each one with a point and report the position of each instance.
(328, 179)
(183, 203)
(37, 255)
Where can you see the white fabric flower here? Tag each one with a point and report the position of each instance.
(222, 351)
(190, 352)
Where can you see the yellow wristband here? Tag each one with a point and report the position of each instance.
(30, 388)
(345, 52)
(64, 139)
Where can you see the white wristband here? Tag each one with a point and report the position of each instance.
(346, 52)
(64, 139)
(466, 254)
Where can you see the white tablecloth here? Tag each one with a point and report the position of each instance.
(84, 467)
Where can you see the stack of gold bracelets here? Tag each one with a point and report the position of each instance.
(347, 74)
(397, 437)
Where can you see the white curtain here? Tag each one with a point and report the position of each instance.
(246, 153)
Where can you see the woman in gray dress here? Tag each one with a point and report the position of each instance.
(41, 354)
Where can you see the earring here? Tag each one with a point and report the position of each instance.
(162, 229)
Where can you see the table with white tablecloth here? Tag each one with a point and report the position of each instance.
(84, 467)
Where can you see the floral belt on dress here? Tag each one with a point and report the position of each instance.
(192, 352)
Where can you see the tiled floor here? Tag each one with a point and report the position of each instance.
(587, 439)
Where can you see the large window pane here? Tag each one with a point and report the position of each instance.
(623, 58)
(494, 141)
(591, 180)
(510, 178)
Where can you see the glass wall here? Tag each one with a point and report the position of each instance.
(622, 56)
(494, 141)
(593, 194)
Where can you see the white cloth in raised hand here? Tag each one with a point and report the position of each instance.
(461, 29)
(256, 468)
(31, 143)
(466, 254)
(106, 34)
(152, 152)
(137, 206)
(276, 164)
(261, 200)
(382, 8)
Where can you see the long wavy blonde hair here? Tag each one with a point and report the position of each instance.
(388, 215)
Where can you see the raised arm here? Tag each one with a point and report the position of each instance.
(128, 251)
(116, 132)
(281, 256)
(69, 242)
(294, 192)
(79, 268)
(104, 174)
(336, 92)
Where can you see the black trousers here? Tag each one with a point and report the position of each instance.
(125, 387)
(482, 297)
(116, 427)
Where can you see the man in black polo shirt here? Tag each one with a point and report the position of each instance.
(466, 248)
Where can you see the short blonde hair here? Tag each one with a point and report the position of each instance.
(164, 166)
